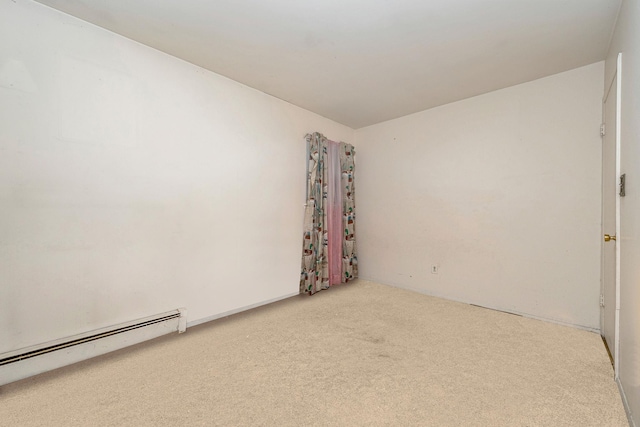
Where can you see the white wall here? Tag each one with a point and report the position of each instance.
(132, 183)
(627, 40)
(501, 191)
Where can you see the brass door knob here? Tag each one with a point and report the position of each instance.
(607, 237)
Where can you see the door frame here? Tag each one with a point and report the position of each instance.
(616, 362)
(617, 77)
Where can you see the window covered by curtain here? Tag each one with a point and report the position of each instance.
(329, 249)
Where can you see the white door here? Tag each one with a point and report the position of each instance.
(610, 217)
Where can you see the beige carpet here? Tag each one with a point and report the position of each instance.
(358, 354)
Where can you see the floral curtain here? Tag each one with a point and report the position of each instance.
(349, 252)
(329, 249)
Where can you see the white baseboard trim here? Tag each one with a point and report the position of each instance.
(239, 310)
(527, 315)
(625, 403)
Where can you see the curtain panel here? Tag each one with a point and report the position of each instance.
(329, 246)
(349, 252)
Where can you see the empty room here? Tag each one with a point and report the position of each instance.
(320, 212)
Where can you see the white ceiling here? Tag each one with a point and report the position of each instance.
(360, 62)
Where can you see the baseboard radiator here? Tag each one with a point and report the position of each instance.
(19, 364)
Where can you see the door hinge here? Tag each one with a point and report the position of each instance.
(601, 300)
(602, 130)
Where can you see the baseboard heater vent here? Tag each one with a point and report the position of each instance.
(23, 363)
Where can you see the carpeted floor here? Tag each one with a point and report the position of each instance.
(357, 354)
